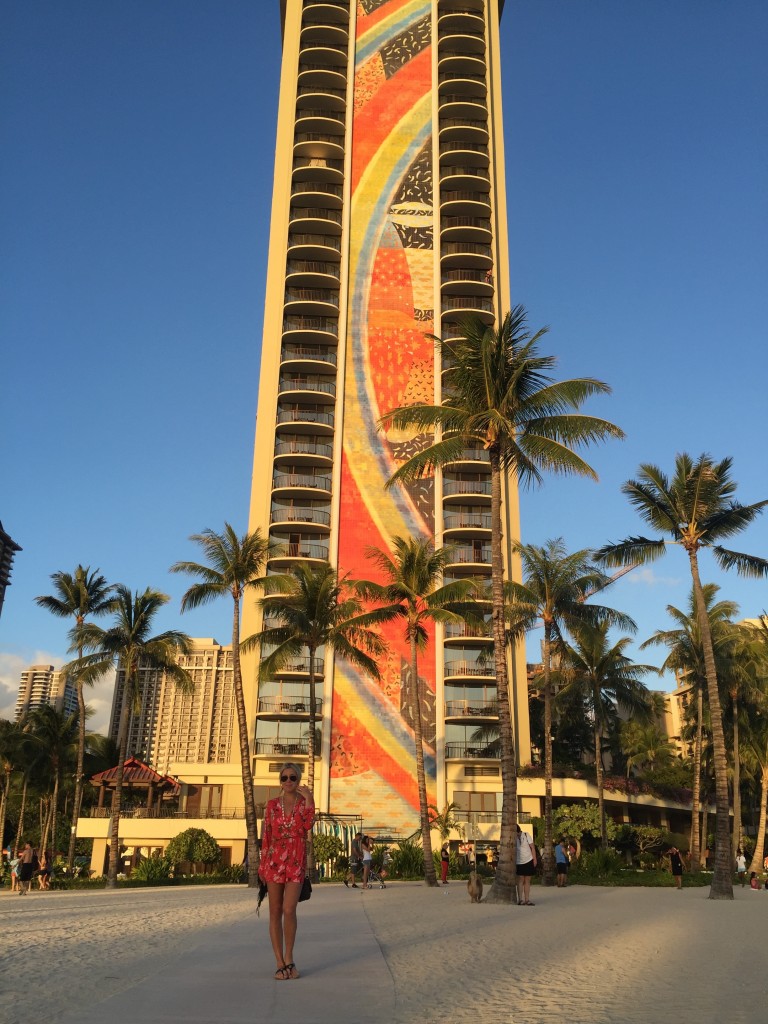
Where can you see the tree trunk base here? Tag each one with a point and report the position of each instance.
(501, 894)
(716, 895)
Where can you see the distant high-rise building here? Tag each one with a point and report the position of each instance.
(171, 726)
(388, 227)
(43, 684)
(8, 548)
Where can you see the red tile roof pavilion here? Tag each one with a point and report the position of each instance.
(137, 775)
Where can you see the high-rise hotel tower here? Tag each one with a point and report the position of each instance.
(388, 227)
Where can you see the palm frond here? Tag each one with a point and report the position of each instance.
(634, 549)
(750, 566)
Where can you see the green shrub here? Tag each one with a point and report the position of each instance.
(598, 864)
(195, 846)
(407, 860)
(152, 869)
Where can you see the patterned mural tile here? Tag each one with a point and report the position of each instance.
(368, 81)
(396, 53)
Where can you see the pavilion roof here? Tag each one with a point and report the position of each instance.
(136, 773)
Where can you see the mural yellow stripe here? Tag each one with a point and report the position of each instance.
(374, 725)
(383, 29)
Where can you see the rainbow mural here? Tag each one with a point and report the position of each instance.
(389, 362)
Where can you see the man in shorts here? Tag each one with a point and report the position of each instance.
(561, 862)
(355, 861)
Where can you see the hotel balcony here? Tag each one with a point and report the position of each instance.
(474, 556)
(308, 358)
(304, 418)
(467, 62)
(475, 179)
(454, 129)
(316, 75)
(324, 120)
(467, 281)
(312, 274)
(466, 254)
(461, 487)
(288, 706)
(284, 748)
(310, 519)
(473, 455)
(470, 229)
(463, 105)
(461, 153)
(298, 484)
(462, 83)
(310, 329)
(462, 752)
(459, 523)
(315, 220)
(326, 12)
(464, 202)
(320, 388)
(317, 31)
(329, 97)
(322, 55)
(463, 709)
(469, 669)
(467, 631)
(311, 301)
(307, 168)
(313, 245)
(319, 144)
(284, 555)
(299, 666)
(456, 307)
(303, 450)
(459, 20)
(458, 34)
(316, 194)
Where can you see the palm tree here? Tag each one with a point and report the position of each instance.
(315, 609)
(234, 566)
(554, 594)
(55, 734)
(686, 658)
(499, 394)
(606, 678)
(411, 591)
(696, 509)
(646, 746)
(78, 595)
(11, 759)
(129, 645)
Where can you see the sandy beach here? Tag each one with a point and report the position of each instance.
(402, 955)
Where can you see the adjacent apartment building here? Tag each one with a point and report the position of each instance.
(8, 549)
(41, 685)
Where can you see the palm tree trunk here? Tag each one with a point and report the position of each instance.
(54, 810)
(430, 875)
(4, 799)
(722, 877)
(78, 798)
(599, 770)
(311, 866)
(22, 810)
(117, 796)
(696, 795)
(45, 825)
(546, 855)
(757, 857)
(503, 889)
(736, 840)
(251, 827)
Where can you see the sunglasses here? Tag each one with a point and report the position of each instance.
(289, 778)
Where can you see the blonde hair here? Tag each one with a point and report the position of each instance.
(294, 767)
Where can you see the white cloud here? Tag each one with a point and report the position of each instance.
(648, 578)
(98, 697)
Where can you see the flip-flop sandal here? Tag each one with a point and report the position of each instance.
(292, 972)
(282, 973)
(529, 904)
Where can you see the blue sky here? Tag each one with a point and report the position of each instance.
(134, 208)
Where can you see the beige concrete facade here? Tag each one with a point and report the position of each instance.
(43, 684)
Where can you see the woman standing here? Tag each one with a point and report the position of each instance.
(445, 863)
(283, 866)
(367, 845)
(526, 865)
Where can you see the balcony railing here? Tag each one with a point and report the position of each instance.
(453, 631)
(469, 668)
(300, 514)
(301, 664)
(472, 455)
(168, 812)
(301, 446)
(467, 248)
(301, 549)
(312, 295)
(449, 302)
(460, 750)
(470, 554)
(311, 352)
(315, 213)
(471, 709)
(467, 486)
(327, 90)
(482, 223)
(324, 163)
(299, 415)
(313, 267)
(317, 188)
(467, 521)
(460, 276)
(310, 238)
(464, 195)
(325, 324)
(284, 747)
(322, 483)
(464, 147)
(308, 384)
(294, 704)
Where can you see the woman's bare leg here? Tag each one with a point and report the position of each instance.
(276, 900)
(290, 900)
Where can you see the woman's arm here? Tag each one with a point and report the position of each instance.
(307, 814)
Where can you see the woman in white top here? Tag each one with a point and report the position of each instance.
(526, 865)
(367, 845)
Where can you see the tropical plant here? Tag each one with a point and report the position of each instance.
(129, 646)
(606, 679)
(55, 734)
(326, 848)
(234, 567)
(11, 759)
(580, 820)
(78, 595)
(315, 609)
(499, 394)
(696, 509)
(686, 658)
(646, 746)
(193, 846)
(554, 594)
(446, 821)
(411, 592)
(407, 859)
(152, 869)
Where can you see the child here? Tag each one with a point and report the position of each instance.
(753, 881)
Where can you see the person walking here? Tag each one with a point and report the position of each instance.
(283, 866)
(741, 866)
(367, 845)
(28, 864)
(355, 860)
(14, 860)
(525, 859)
(445, 863)
(44, 874)
(676, 863)
(561, 864)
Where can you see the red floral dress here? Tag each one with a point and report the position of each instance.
(284, 841)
